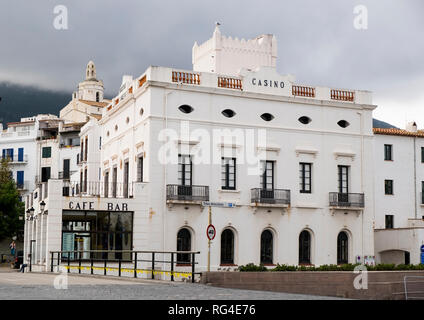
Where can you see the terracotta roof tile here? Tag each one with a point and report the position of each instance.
(398, 132)
(94, 103)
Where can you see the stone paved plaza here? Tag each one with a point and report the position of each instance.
(14, 285)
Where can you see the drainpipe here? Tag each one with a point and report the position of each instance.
(415, 178)
(165, 126)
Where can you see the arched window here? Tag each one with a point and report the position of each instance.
(266, 247)
(342, 248)
(305, 247)
(183, 244)
(97, 97)
(227, 247)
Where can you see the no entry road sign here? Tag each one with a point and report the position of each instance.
(211, 232)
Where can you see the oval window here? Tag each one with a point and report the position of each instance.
(305, 120)
(267, 116)
(185, 108)
(343, 123)
(141, 111)
(228, 113)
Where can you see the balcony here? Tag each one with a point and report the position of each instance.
(186, 194)
(98, 189)
(278, 198)
(22, 186)
(66, 175)
(347, 200)
(17, 159)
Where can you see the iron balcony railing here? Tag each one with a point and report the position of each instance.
(66, 174)
(24, 185)
(272, 196)
(16, 158)
(352, 200)
(187, 193)
(98, 189)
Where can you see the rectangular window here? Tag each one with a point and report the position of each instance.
(267, 176)
(388, 186)
(184, 170)
(47, 152)
(66, 168)
(45, 174)
(305, 173)
(389, 221)
(422, 192)
(422, 154)
(140, 169)
(126, 178)
(20, 179)
(7, 153)
(114, 181)
(228, 173)
(388, 152)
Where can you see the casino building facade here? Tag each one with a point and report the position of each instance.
(297, 161)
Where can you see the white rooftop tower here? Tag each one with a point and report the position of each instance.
(90, 89)
(227, 56)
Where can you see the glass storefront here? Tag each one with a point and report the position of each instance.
(97, 230)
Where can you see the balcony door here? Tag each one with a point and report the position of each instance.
(21, 154)
(185, 167)
(267, 179)
(66, 168)
(343, 181)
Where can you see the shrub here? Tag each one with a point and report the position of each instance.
(251, 267)
(284, 267)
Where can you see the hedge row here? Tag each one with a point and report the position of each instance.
(330, 267)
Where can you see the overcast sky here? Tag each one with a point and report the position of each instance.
(317, 42)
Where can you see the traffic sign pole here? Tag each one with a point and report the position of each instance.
(209, 241)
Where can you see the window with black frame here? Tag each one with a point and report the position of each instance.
(184, 176)
(183, 244)
(388, 187)
(140, 169)
(266, 247)
(227, 247)
(388, 156)
(305, 247)
(228, 174)
(305, 177)
(267, 177)
(389, 221)
(342, 248)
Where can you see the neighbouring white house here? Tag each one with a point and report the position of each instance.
(399, 187)
(297, 161)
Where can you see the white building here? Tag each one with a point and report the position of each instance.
(296, 160)
(18, 143)
(399, 187)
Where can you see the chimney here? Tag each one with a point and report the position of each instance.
(411, 127)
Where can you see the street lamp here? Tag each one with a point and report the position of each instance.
(31, 212)
(42, 206)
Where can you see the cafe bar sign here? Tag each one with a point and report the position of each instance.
(96, 205)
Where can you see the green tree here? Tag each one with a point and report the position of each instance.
(11, 207)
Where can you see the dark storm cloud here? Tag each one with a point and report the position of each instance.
(316, 40)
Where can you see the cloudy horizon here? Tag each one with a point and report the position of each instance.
(317, 43)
